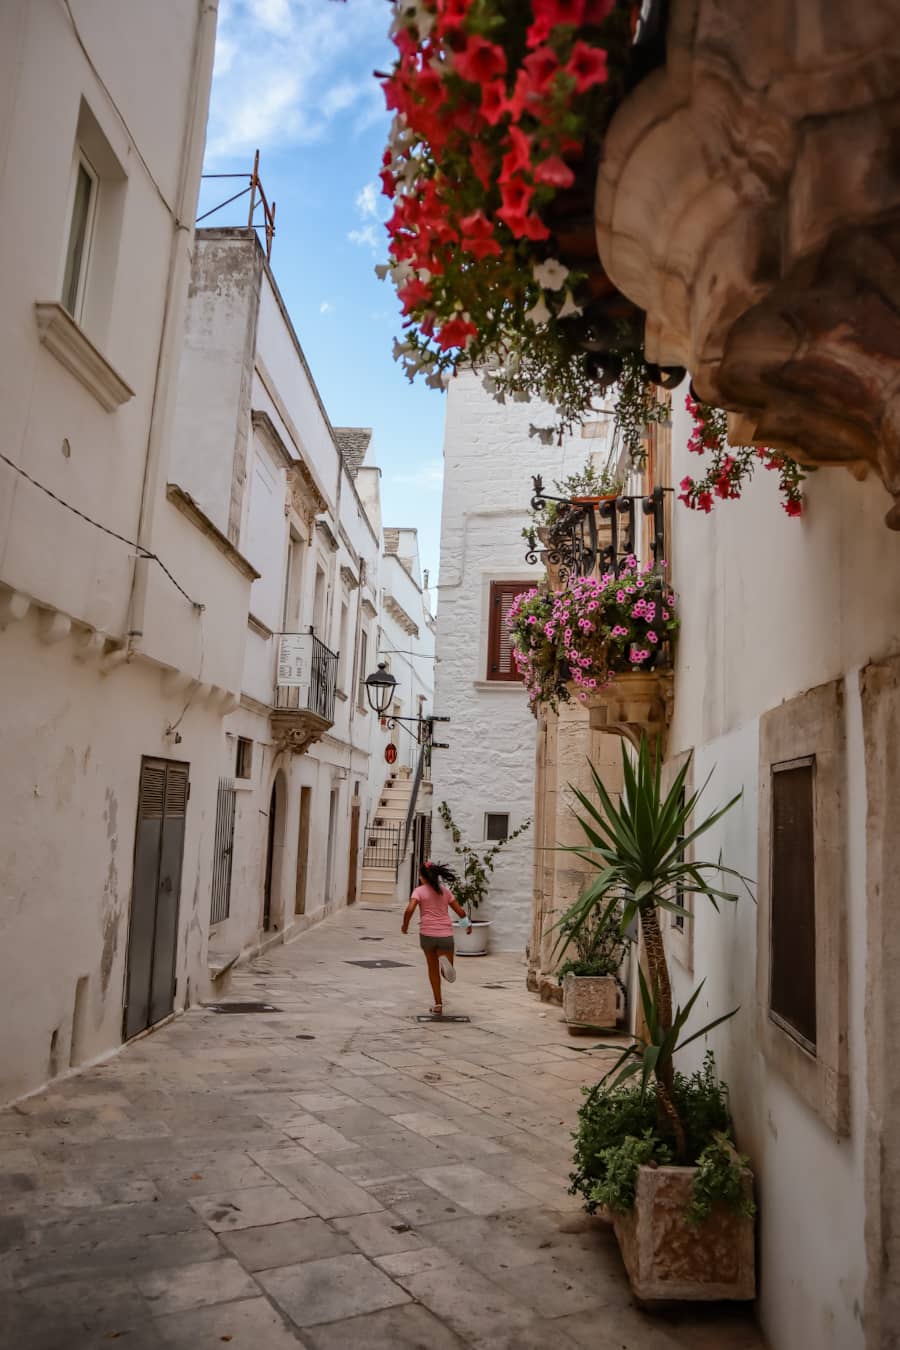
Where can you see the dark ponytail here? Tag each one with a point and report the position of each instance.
(437, 875)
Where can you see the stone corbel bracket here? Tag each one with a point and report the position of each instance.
(634, 706)
(748, 200)
(296, 731)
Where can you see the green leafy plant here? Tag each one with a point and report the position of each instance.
(609, 1118)
(600, 946)
(721, 1179)
(638, 846)
(621, 1162)
(472, 887)
(588, 481)
(638, 403)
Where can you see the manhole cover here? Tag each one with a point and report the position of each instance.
(377, 965)
(241, 1007)
(445, 1017)
(371, 939)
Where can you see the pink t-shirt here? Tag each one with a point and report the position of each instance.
(434, 915)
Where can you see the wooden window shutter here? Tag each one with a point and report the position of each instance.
(500, 664)
(792, 993)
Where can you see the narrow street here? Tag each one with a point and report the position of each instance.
(326, 1173)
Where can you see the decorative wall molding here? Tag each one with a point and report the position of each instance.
(188, 507)
(748, 199)
(73, 349)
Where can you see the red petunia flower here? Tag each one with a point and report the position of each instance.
(705, 502)
(518, 158)
(554, 172)
(388, 182)
(598, 11)
(451, 14)
(478, 236)
(516, 194)
(480, 61)
(550, 14)
(456, 333)
(494, 102)
(413, 294)
(587, 66)
(543, 64)
(793, 507)
(482, 163)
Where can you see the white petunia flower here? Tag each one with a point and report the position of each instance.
(569, 309)
(539, 314)
(550, 275)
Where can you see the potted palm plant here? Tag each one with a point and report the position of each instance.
(593, 992)
(472, 887)
(679, 1194)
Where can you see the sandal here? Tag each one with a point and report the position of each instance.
(437, 1010)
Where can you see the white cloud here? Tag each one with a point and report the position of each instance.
(367, 201)
(326, 307)
(365, 237)
(429, 477)
(288, 70)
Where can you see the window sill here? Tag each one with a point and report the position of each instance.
(62, 336)
(499, 686)
(339, 693)
(243, 785)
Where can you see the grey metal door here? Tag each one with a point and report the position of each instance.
(155, 893)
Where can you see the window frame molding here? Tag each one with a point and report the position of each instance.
(81, 160)
(810, 725)
(497, 584)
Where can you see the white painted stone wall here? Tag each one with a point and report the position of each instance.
(771, 607)
(489, 460)
(100, 655)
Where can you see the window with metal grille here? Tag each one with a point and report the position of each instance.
(243, 759)
(496, 825)
(792, 991)
(500, 663)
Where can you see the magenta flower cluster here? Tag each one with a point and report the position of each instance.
(577, 639)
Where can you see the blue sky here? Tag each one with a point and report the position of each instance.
(294, 78)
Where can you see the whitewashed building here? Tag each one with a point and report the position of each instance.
(118, 620)
(261, 467)
(487, 775)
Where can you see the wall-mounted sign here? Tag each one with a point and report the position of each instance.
(293, 660)
(390, 753)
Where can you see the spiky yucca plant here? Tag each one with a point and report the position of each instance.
(637, 846)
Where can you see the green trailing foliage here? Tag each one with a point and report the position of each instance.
(600, 946)
(721, 1179)
(472, 887)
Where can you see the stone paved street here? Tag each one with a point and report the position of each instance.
(331, 1175)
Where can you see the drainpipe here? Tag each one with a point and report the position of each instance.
(172, 333)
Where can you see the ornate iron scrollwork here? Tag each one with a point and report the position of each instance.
(573, 545)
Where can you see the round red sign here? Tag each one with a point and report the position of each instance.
(390, 753)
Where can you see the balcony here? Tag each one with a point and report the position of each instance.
(305, 684)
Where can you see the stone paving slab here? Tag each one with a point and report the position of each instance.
(331, 1176)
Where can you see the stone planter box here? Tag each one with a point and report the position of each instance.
(669, 1260)
(591, 1001)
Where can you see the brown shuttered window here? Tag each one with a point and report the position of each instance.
(792, 994)
(500, 663)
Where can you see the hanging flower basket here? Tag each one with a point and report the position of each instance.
(582, 639)
(500, 112)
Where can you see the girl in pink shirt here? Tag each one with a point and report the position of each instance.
(434, 900)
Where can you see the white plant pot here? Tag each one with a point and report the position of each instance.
(474, 943)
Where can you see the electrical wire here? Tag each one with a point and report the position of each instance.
(141, 551)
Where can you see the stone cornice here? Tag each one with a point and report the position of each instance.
(62, 336)
(185, 503)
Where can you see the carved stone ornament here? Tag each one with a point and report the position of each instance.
(748, 200)
(637, 704)
(296, 729)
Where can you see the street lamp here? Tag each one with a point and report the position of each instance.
(380, 686)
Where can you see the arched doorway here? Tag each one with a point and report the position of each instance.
(272, 900)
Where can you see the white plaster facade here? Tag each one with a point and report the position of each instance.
(489, 460)
(100, 653)
(256, 453)
(771, 608)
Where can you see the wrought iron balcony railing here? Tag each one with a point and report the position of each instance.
(307, 675)
(589, 533)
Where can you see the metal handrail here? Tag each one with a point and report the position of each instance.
(413, 797)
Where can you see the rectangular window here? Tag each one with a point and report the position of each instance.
(78, 248)
(243, 759)
(679, 921)
(363, 658)
(792, 989)
(500, 663)
(496, 825)
(343, 664)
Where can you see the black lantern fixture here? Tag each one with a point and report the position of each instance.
(380, 686)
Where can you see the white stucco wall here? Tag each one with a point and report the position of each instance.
(489, 460)
(771, 607)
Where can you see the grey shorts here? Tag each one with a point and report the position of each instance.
(435, 944)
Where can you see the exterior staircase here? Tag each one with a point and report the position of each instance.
(385, 833)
